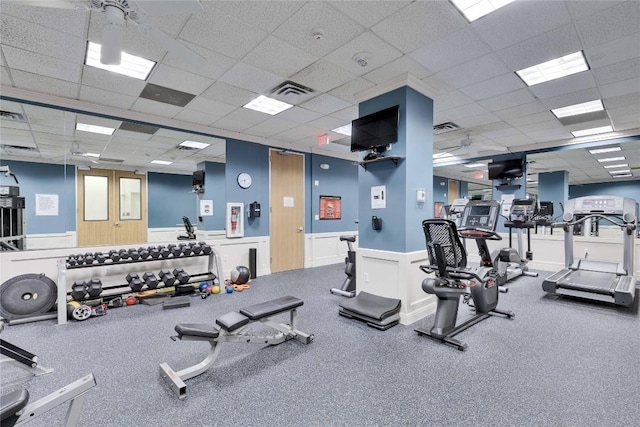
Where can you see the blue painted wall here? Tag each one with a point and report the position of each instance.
(243, 156)
(554, 187)
(341, 179)
(440, 190)
(630, 189)
(43, 178)
(214, 190)
(169, 198)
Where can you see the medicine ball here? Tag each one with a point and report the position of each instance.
(240, 275)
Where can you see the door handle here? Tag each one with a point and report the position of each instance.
(117, 223)
(300, 229)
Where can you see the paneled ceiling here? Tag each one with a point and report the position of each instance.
(251, 47)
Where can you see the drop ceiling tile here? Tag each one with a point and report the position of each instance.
(208, 106)
(365, 14)
(68, 21)
(193, 116)
(299, 115)
(28, 36)
(41, 64)
(349, 90)
(106, 97)
(572, 98)
(451, 100)
(216, 63)
(507, 100)
(437, 86)
(493, 87)
(156, 108)
(521, 110)
(228, 94)
(479, 120)
(541, 48)
(44, 84)
(262, 131)
(397, 67)
(233, 125)
(473, 71)
(123, 136)
(573, 83)
(250, 117)
(338, 28)
(134, 42)
(579, 9)
(106, 80)
(514, 140)
(620, 71)
(266, 16)
(298, 133)
(325, 104)
(542, 117)
(223, 30)
(620, 88)
(327, 123)
(322, 76)
(181, 80)
(450, 51)
(418, 24)
(609, 24)
(378, 51)
(348, 114)
(616, 51)
(621, 101)
(504, 27)
(251, 78)
(279, 57)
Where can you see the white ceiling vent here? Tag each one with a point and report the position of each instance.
(15, 117)
(15, 148)
(292, 93)
(445, 127)
(108, 160)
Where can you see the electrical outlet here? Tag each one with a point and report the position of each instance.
(366, 278)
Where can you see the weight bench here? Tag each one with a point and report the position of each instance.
(233, 327)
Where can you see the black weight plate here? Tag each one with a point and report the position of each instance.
(27, 295)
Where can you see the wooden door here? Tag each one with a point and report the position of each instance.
(112, 207)
(454, 191)
(287, 211)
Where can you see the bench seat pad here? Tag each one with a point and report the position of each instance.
(232, 321)
(203, 330)
(269, 308)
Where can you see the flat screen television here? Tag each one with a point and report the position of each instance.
(198, 178)
(506, 169)
(375, 131)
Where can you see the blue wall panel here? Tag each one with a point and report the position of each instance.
(169, 199)
(43, 178)
(554, 187)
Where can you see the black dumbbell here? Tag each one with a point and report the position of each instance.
(197, 249)
(150, 280)
(94, 287)
(167, 278)
(186, 250)
(206, 249)
(176, 251)
(181, 276)
(124, 254)
(71, 260)
(115, 256)
(134, 282)
(154, 253)
(135, 255)
(78, 291)
(144, 254)
(165, 252)
(100, 257)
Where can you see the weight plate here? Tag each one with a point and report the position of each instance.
(27, 295)
(81, 313)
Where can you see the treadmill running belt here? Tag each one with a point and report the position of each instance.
(590, 280)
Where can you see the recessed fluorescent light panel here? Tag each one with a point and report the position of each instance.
(95, 155)
(577, 109)
(474, 165)
(267, 105)
(95, 129)
(626, 175)
(621, 165)
(475, 9)
(130, 65)
(620, 171)
(160, 162)
(194, 144)
(611, 159)
(344, 130)
(592, 131)
(554, 69)
(605, 150)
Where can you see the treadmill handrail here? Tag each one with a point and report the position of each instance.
(600, 216)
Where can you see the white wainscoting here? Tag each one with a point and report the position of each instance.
(52, 240)
(326, 248)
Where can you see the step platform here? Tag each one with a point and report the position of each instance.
(378, 312)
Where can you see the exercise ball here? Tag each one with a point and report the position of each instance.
(215, 289)
(240, 275)
(229, 289)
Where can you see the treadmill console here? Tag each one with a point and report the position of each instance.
(481, 214)
(606, 205)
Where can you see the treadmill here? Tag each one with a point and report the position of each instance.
(597, 280)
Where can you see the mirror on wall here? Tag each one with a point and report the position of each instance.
(44, 145)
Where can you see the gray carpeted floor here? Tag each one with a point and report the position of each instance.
(560, 362)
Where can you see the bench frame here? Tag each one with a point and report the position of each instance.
(286, 332)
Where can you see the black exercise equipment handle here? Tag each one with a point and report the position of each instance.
(482, 234)
(599, 216)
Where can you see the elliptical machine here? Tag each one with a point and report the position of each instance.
(512, 264)
(448, 260)
(348, 288)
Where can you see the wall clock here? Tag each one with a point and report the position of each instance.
(244, 180)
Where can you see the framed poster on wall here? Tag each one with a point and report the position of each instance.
(330, 207)
(438, 210)
(235, 220)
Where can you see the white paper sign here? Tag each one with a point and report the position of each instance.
(379, 197)
(287, 202)
(46, 205)
(206, 207)
(506, 200)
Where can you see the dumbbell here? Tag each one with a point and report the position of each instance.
(150, 280)
(78, 291)
(181, 276)
(88, 258)
(134, 254)
(94, 287)
(197, 249)
(124, 254)
(165, 252)
(206, 249)
(154, 253)
(167, 278)
(71, 260)
(100, 257)
(176, 251)
(134, 282)
(79, 259)
(186, 250)
(144, 253)
(114, 255)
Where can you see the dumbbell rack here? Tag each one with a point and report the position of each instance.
(214, 259)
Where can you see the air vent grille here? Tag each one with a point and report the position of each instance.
(15, 117)
(187, 148)
(445, 127)
(18, 147)
(291, 88)
(108, 160)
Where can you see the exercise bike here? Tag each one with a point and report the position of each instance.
(348, 288)
(453, 279)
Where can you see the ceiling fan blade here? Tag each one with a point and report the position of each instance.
(58, 4)
(172, 45)
(169, 7)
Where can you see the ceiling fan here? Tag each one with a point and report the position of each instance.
(133, 13)
(469, 147)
